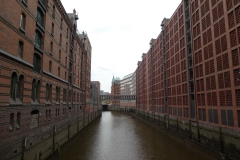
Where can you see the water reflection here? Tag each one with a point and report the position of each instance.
(116, 136)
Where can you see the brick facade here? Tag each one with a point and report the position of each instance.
(191, 70)
(45, 67)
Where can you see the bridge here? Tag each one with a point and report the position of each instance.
(117, 97)
(113, 98)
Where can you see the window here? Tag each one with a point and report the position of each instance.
(78, 97)
(11, 121)
(66, 61)
(53, 14)
(66, 46)
(16, 90)
(52, 31)
(51, 47)
(71, 53)
(61, 23)
(74, 97)
(58, 71)
(38, 41)
(20, 49)
(59, 56)
(64, 95)
(35, 91)
(60, 39)
(67, 32)
(37, 63)
(57, 94)
(48, 93)
(65, 75)
(70, 80)
(70, 66)
(18, 120)
(50, 66)
(22, 21)
(40, 17)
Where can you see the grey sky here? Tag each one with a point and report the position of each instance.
(119, 31)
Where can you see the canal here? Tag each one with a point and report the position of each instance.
(116, 136)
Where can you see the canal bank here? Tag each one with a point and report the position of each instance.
(54, 139)
(219, 143)
(120, 136)
(80, 126)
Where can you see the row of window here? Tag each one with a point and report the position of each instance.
(17, 85)
(35, 119)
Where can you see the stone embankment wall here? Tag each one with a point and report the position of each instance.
(219, 142)
(54, 139)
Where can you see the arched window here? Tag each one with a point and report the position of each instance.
(16, 91)
(37, 63)
(57, 94)
(40, 17)
(38, 41)
(13, 92)
(48, 93)
(64, 95)
(35, 90)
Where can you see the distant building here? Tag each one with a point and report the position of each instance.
(128, 87)
(115, 90)
(95, 93)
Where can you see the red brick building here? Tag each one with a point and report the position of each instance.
(45, 67)
(192, 68)
(115, 90)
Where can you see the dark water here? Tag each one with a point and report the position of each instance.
(116, 136)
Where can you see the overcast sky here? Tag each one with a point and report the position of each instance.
(119, 32)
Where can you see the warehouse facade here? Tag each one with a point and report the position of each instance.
(45, 67)
(191, 70)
